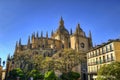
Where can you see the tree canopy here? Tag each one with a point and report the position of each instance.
(109, 72)
(16, 73)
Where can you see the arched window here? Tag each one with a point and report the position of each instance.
(63, 46)
(43, 46)
(44, 55)
(59, 54)
(69, 45)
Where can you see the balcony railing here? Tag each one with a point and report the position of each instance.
(101, 61)
(100, 53)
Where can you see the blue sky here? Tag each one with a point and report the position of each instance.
(20, 18)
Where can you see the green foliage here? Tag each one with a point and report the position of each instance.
(70, 76)
(109, 71)
(16, 73)
(50, 75)
(27, 61)
(36, 75)
(67, 57)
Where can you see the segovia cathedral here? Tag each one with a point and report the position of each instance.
(60, 39)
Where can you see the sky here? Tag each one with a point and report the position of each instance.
(20, 18)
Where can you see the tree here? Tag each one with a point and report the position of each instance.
(48, 64)
(50, 75)
(66, 59)
(16, 73)
(109, 72)
(36, 75)
(27, 61)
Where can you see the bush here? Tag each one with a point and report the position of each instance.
(13, 74)
(50, 75)
(70, 76)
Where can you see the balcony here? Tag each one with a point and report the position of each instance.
(100, 62)
(100, 53)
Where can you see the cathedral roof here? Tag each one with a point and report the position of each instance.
(62, 29)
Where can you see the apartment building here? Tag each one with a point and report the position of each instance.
(102, 54)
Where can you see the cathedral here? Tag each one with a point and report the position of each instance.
(59, 40)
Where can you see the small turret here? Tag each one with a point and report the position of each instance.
(90, 39)
(29, 40)
(90, 35)
(41, 34)
(70, 31)
(28, 44)
(8, 57)
(33, 35)
(61, 23)
(78, 29)
(16, 46)
(46, 34)
(37, 35)
(20, 42)
(52, 33)
(0, 61)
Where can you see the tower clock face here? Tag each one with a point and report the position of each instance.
(82, 45)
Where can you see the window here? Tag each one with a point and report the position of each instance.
(38, 45)
(96, 60)
(44, 55)
(62, 46)
(97, 68)
(106, 49)
(93, 53)
(100, 60)
(103, 58)
(111, 57)
(69, 45)
(107, 57)
(42, 46)
(96, 52)
(102, 50)
(110, 47)
(59, 54)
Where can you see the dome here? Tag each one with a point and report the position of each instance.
(61, 28)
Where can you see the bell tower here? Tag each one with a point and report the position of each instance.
(79, 41)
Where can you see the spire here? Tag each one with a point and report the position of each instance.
(29, 40)
(0, 61)
(46, 34)
(61, 22)
(71, 31)
(37, 35)
(19, 41)
(28, 44)
(16, 46)
(8, 58)
(84, 34)
(90, 35)
(52, 33)
(78, 29)
(33, 35)
(90, 39)
(41, 34)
